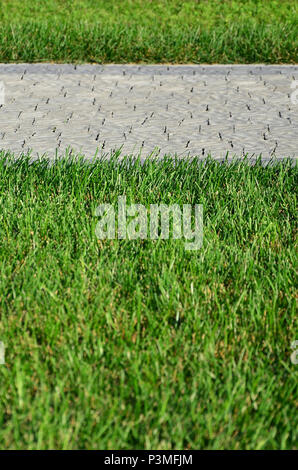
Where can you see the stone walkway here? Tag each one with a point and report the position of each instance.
(187, 110)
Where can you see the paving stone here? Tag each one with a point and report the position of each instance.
(183, 110)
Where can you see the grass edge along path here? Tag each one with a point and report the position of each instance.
(83, 43)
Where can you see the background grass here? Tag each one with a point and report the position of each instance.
(222, 31)
(141, 344)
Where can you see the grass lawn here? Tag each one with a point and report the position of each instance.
(153, 31)
(142, 344)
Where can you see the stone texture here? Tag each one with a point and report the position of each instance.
(183, 110)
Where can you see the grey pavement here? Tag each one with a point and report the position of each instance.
(183, 110)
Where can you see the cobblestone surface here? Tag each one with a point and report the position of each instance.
(187, 110)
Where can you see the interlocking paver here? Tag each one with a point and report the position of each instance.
(184, 110)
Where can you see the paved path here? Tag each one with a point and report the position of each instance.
(179, 109)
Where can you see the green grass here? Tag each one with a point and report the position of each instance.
(142, 344)
(149, 31)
